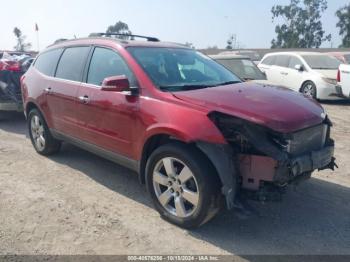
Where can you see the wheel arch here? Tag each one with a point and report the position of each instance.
(155, 141)
(30, 106)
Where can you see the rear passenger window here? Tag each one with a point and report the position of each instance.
(105, 63)
(72, 63)
(282, 61)
(269, 60)
(46, 63)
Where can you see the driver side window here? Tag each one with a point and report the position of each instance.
(105, 63)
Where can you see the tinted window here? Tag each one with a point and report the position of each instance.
(322, 62)
(46, 63)
(243, 68)
(105, 63)
(72, 63)
(177, 69)
(269, 60)
(282, 60)
(294, 61)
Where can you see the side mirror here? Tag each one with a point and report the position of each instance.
(116, 84)
(299, 68)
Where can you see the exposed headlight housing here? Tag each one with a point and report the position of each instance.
(330, 80)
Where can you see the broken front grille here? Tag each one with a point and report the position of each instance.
(307, 140)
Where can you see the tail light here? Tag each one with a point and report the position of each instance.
(338, 76)
(14, 67)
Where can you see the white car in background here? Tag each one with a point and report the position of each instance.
(311, 73)
(344, 81)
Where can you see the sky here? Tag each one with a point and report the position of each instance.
(201, 22)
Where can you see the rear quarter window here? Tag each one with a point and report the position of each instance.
(269, 60)
(46, 62)
(72, 62)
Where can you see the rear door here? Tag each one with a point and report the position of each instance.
(280, 70)
(107, 118)
(63, 89)
(268, 66)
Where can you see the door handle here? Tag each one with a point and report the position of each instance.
(84, 99)
(48, 90)
(284, 73)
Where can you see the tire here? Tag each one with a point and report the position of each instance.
(40, 135)
(191, 202)
(309, 89)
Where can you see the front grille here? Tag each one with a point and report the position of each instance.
(307, 140)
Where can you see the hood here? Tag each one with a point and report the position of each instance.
(277, 108)
(332, 74)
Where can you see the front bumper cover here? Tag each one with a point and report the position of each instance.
(284, 171)
(316, 160)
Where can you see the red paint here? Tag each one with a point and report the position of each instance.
(123, 123)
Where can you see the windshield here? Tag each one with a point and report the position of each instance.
(243, 68)
(177, 69)
(324, 62)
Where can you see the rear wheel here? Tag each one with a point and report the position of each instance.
(309, 89)
(183, 185)
(40, 135)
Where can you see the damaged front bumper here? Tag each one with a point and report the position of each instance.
(255, 171)
(260, 161)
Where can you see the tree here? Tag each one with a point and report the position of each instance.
(344, 24)
(21, 44)
(119, 28)
(302, 26)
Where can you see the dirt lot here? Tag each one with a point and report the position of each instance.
(78, 203)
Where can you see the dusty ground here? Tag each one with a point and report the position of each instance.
(78, 203)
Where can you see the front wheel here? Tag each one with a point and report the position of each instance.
(309, 89)
(183, 185)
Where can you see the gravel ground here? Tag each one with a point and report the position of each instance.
(78, 203)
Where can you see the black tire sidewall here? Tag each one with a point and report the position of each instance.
(203, 172)
(51, 145)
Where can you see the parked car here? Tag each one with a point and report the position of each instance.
(241, 66)
(253, 55)
(311, 73)
(344, 81)
(195, 134)
(12, 67)
(344, 57)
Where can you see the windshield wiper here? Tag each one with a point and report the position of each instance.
(194, 87)
(227, 83)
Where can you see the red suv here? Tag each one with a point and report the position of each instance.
(196, 135)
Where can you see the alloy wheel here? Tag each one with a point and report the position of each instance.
(176, 187)
(38, 133)
(309, 90)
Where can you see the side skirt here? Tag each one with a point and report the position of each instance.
(112, 156)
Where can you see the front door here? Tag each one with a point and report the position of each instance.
(106, 118)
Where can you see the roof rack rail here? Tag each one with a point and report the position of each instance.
(149, 38)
